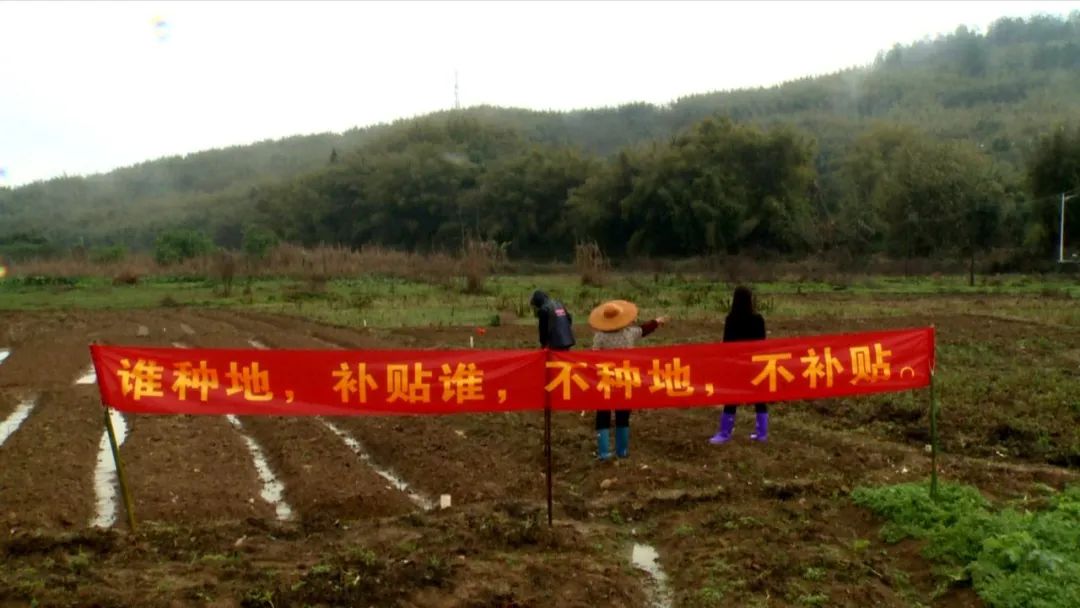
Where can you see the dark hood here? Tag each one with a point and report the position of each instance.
(539, 298)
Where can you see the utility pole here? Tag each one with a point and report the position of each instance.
(1061, 229)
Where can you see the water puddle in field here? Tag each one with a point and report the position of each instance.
(13, 421)
(88, 377)
(105, 479)
(4, 354)
(646, 558)
(420, 500)
(272, 490)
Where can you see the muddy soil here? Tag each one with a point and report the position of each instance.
(747, 524)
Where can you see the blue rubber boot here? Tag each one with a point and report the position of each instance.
(622, 441)
(603, 445)
(727, 426)
(761, 432)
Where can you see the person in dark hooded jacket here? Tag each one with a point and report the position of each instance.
(554, 322)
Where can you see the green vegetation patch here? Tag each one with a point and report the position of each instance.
(1013, 559)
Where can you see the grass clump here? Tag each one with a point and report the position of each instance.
(1013, 559)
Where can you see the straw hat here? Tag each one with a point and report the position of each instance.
(613, 315)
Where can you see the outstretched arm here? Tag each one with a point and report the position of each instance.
(651, 326)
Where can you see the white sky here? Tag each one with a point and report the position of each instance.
(87, 87)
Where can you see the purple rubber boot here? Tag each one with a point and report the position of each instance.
(761, 432)
(727, 426)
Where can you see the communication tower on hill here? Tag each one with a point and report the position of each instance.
(457, 100)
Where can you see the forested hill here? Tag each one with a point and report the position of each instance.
(998, 92)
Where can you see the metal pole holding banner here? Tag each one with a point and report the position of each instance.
(119, 469)
(933, 437)
(547, 450)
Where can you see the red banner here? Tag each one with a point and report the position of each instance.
(787, 369)
(317, 382)
(349, 383)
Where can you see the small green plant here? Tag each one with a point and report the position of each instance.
(258, 598)
(709, 596)
(717, 587)
(616, 517)
(79, 563)
(216, 559)
(363, 556)
(29, 587)
(817, 599)
(814, 574)
(362, 300)
(684, 530)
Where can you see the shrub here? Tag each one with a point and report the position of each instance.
(108, 255)
(478, 261)
(591, 264)
(258, 241)
(178, 245)
(224, 271)
(126, 277)
(1013, 559)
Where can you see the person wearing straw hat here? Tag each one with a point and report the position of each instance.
(615, 328)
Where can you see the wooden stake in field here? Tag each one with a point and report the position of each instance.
(119, 469)
(933, 437)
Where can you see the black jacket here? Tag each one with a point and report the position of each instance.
(744, 327)
(555, 323)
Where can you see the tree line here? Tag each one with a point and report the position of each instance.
(948, 146)
(716, 188)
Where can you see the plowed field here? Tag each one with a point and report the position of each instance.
(742, 525)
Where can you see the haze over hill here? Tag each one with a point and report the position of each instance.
(95, 87)
(512, 173)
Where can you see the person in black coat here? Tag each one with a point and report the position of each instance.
(741, 324)
(554, 322)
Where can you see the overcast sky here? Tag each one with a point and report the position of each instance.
(87, 87)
